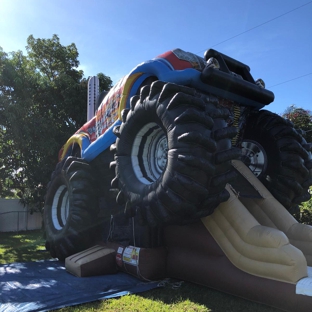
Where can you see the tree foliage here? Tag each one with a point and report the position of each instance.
(305, 213)
(105, 82)
(302, 119)
(42, 103)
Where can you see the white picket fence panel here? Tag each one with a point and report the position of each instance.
(14, 217)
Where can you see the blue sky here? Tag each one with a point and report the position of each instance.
(113, 36)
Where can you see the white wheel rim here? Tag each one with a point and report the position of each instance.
(254, 156)
(60, 208)
(149, 153)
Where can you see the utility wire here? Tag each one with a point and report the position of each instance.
(250, 29)
(289, 80)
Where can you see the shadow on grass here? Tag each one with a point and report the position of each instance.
(22, 247)
(213, 300)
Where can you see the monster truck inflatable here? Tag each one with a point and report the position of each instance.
(161, 151)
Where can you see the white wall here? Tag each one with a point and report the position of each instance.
(15, 217)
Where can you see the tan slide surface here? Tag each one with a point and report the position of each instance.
(258, 235)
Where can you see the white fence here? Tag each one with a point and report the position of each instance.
(15, 217)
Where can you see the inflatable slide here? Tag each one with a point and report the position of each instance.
(250, 247)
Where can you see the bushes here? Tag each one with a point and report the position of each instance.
(305, 215)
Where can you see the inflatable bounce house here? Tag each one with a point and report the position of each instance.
(180, 172)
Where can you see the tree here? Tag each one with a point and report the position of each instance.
(302, 119)
(42, 103)
(105, 83)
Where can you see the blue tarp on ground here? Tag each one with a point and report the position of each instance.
(46, 285)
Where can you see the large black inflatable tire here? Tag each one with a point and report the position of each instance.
(172, 155)
(70, 209)
(279, 156)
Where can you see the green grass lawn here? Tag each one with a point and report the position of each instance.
(22, 247)
(29, 246)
